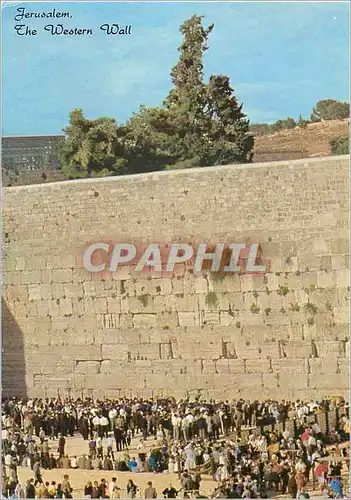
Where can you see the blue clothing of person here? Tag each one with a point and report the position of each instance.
(336, 486)
(133, 465)
(152, 463)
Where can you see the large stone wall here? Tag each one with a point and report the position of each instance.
(69, 330)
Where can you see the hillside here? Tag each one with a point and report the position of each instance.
(292, 144)
(298, 143)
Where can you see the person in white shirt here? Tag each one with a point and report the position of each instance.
(112, 415)
(187, 425)
(316, 429)
(96, 423)
(300, 466)
(286, 435)
(99, 447)
(104, 423)
(160, 435)
(110, 446)
(4, 435)
(311, 441)
(176, 423)
(189, 453)
(112, 488)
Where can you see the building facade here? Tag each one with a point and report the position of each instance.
(30, 151)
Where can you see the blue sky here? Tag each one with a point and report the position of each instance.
(281, 58)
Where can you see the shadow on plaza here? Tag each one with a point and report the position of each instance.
(13, 378)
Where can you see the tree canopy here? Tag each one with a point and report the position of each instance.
(198, 124)
(329, 109)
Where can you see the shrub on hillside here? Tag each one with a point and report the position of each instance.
(286, 124)
(329, 109)
(340, 145)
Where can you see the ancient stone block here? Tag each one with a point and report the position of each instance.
(257, 366)
(328, 348)
(318, 366)
(188, 319)
(344, 366)
(325, 279)
(187, 303)
(337, 262)
(296, 349)
(298, 381)
(342, 278)
(89, 367)
(144, 320)
(290, 366)
(210, 318)
(62, 276)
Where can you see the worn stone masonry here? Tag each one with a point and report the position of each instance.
(283, 334)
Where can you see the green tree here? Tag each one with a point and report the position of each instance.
(302, 123)
(206, 122)
(91, 148)
(186, 102)
(340, 145)
(230, 139)
(286, 124)
(199, 124)
(146, 138)
(329, 109)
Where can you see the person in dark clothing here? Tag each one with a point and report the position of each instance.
(118, 434)
(95, 490)
(284, 475)
(88, 490)
(292, 485)
(30, 489)
(37, 473)
(131, 489)
(103, 489)
(170, 492)
(61, 446)
(59, 492)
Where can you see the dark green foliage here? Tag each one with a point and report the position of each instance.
(93, 148)
(206, 123)
(211, 299)
(286, 124)
(302, 123)
(260, 129)
(329, 109)
(340, 145)
(200, 124)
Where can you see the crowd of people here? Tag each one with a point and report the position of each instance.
(249, 448)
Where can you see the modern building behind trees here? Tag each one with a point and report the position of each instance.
(29, 152)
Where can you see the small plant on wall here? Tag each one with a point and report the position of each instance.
(328, 306)
(211, 299)
(294, 307)
(311, 308)
(309, 289)
(283, 290)
(254, 309)
(144, 299)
